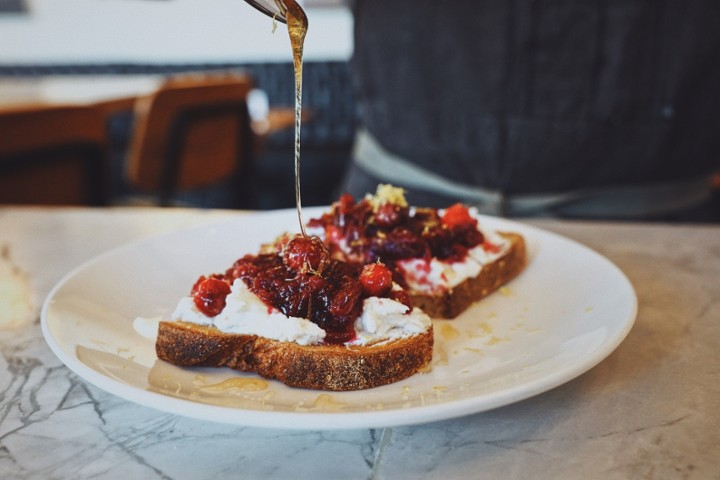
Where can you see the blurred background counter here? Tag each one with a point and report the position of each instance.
(131, 46)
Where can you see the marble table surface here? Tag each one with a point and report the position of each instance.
(650, 410)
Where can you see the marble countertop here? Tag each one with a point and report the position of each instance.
(650, 410)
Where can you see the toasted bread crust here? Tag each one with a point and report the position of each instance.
(318, 367)
(451, 303)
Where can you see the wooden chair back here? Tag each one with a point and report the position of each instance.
(53, 155)
(191, 133)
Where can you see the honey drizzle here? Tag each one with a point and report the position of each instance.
(297, 24)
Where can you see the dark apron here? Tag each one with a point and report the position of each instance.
(534, 97)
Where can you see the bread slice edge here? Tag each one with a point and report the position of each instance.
(317, 367)
(451, 303)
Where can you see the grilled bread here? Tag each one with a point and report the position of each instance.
(319, 367)
(295, 315)
(442, 258)
(452, 302)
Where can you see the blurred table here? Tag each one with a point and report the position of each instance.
(650, 410)
(117, 93)
(110, 92)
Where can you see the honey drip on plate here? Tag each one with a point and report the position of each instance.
(327, 402)
(242, 384)
(297, 24)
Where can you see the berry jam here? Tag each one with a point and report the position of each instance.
(302, 280)
(209, 294)
(376, 279)
(360, 232)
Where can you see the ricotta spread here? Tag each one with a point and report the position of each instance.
(245, 313)
(382, 319)
(433, 275)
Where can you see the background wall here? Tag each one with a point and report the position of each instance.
(166, 31)
(119, 37)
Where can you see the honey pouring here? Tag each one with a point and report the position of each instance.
(290, 13)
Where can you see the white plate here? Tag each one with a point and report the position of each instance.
(564, 314)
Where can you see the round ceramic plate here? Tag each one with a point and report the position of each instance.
(566, 312)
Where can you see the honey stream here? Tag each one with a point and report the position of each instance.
(297, 24)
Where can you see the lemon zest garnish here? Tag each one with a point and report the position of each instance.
(387, 193)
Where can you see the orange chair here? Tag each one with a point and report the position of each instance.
(53, 155)
(193, 132)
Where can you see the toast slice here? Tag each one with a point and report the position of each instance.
(296, 315)
(452, 302)
(441, 257)
(318, 367)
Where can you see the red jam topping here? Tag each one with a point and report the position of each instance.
(304, 281)
(305, 254)
(457, 216)
(376, 279)
(209, 294)
(355, 231)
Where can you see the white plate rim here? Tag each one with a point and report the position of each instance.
(343, 420)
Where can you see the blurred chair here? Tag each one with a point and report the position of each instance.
(193, 132)
(53, 155)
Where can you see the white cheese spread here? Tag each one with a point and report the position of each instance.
(433, 275)
(245, 313)
(382, 320)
